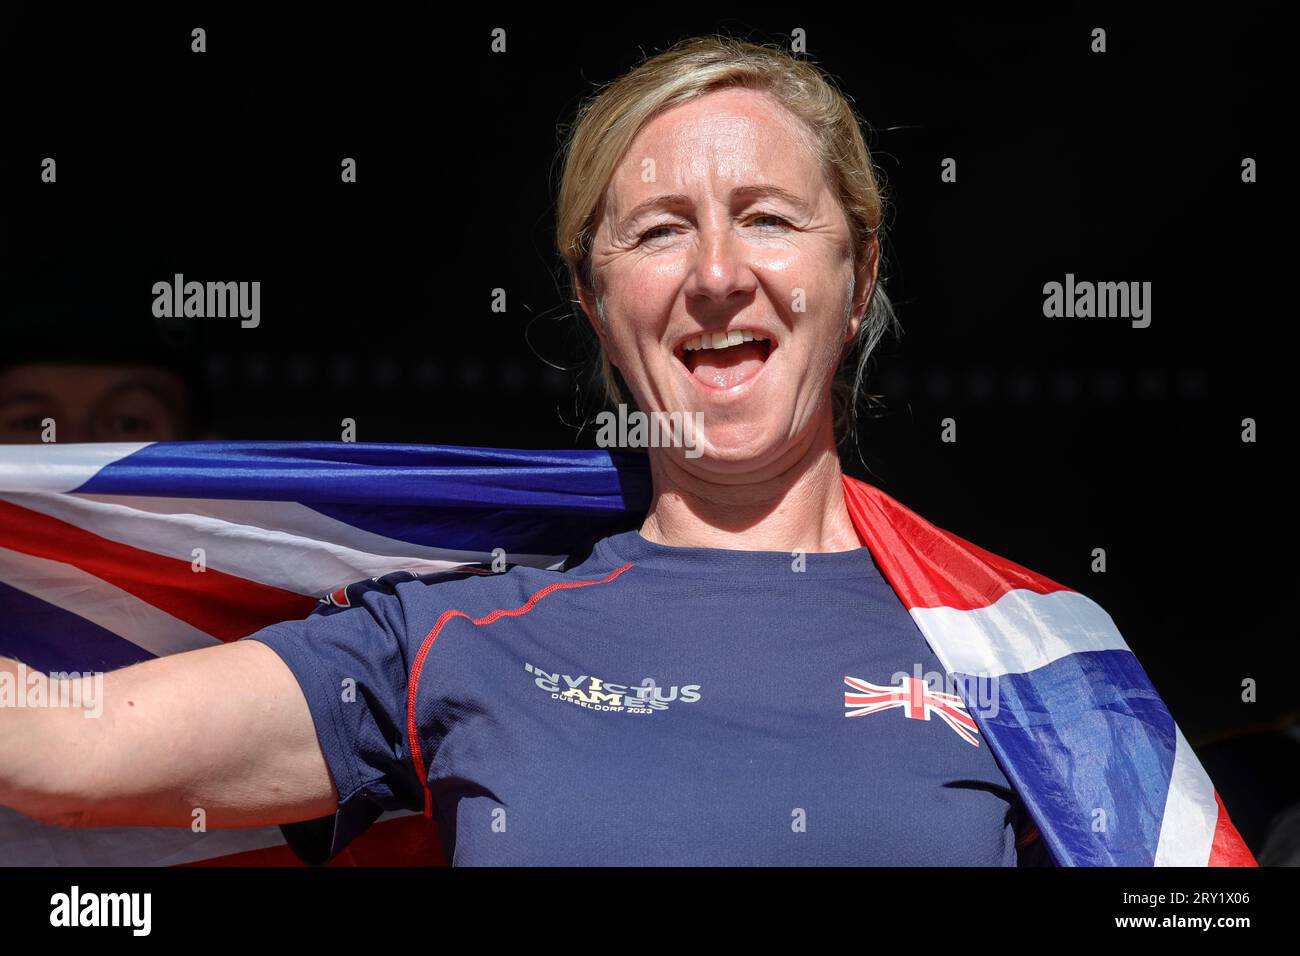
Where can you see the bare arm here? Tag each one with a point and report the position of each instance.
(224, 729)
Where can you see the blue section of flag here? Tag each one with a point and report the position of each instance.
(48, 638)
(467, 499)
(1086, 740)
(430, 476)
(1098, 702)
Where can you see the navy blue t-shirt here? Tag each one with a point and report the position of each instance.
(653, 705)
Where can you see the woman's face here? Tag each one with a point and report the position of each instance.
(719, 222)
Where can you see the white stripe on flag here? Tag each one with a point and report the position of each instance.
(58, 467)
(104, 604)
(307, 559)
(1020, 632)
(303, 521)
(1191, 812)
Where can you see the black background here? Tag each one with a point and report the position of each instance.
(1074, 434)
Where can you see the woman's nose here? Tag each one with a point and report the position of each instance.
(721, 267)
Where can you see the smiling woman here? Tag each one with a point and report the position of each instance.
(726, 187)
(760, 674)
(720, 220)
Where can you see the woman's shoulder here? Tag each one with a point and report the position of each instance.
(476, 588)
(444, 586)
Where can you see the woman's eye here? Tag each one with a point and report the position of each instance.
(777, 222)
(649, 232)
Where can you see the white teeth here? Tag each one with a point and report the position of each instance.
(721, 340)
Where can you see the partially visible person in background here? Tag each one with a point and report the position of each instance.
(87, 402)
(85, 360)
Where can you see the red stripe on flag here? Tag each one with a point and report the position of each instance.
(930, 567)
(223, 605)
(401, 841)
(1228, 848)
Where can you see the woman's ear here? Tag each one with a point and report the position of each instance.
(587, 300)
(864, 284)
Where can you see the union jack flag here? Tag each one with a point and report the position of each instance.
(917, 700)
(97, 545)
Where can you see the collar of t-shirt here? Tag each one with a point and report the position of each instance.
(651, 556)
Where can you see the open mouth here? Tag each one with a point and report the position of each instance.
(725, 359)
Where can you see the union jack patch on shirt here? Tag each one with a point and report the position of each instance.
(915, 698)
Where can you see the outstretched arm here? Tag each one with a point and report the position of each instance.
(223, 729)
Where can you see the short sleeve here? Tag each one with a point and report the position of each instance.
(351, 664)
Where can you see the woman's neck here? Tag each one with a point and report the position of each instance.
(796, 504)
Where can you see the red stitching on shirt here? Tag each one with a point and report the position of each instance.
(412, 731)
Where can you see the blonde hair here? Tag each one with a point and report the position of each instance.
(606, 125)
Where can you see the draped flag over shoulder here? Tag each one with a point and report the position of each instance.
(101, 548)
(1079, 729)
